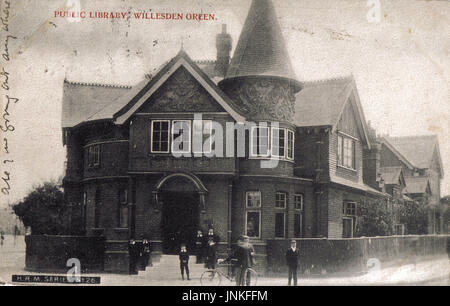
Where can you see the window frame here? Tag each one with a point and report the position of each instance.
(285, 194)
(284, 224)
(173, 139)
(302, 201)
(342, 151)
(289, 132)
(209, 136)
(252, 153)
(246, 199)
(258, 211)
(277, 155)
(299, 214)
(168, 135)
(352, 226)
(123, 205)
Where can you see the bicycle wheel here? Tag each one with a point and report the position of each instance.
(250, 277)
(210, 278)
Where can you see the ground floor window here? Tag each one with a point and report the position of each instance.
(123, 208)
(280, 225)
(253, 221)
(347, 227)
(349, 220)
(97, 208)
(298, 225)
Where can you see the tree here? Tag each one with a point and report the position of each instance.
(415, 217)
(375, 219)
(44, 209)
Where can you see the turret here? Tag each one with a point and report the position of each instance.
(260, 76)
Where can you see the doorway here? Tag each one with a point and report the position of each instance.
(179, 220)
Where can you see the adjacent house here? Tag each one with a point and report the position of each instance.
(422, 169)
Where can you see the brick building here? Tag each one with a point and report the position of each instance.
(124, 173)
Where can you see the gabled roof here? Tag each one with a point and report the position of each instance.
(82, 101)
(417, 150)
(392, 175)
(139, 94)
(321, 103)
(417, 185)
(261, 50)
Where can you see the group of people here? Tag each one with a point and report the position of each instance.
(242, 257)
(140, 255)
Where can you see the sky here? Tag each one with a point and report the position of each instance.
(401, 63)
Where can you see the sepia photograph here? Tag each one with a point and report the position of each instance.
(266, 143)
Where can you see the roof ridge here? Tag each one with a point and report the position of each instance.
(328, 80)
(97, 84)
(204, 61)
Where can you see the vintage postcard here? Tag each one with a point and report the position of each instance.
(232, 143)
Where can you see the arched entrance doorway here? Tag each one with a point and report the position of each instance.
(181, 200)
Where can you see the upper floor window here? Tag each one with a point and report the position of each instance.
(201, 139)
(346, 152)
(278, 142)
(349, 208)
(94, 155)
(298, 201)
(160, 136)
(280, 200)
(260, 141)
(253, 199)
(290, 145)
(181, 136)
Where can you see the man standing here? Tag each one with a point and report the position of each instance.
(184, 261)
(244, 257)
(199, 246)
(292, 256)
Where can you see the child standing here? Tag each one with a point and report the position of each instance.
(184, 261)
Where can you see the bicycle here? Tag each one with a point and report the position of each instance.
(213, 277)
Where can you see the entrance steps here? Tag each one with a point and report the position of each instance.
(168, 268)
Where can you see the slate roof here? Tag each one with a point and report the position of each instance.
(320, 103)
(391, 175)
(418, 150)
(82, 102)
(261, 50)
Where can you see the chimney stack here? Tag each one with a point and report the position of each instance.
(223, 45)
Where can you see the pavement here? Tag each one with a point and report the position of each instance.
(430, 271)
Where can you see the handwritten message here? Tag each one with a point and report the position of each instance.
(7, 101)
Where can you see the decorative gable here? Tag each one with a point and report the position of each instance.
(181, 93)
(348, 121)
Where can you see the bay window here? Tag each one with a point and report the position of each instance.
(260, 142)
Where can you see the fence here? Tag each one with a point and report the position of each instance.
(50, 253)
(319, 256)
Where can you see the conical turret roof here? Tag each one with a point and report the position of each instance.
(261, 50)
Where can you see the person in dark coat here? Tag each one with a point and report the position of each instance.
(146, 252)
(134, 256)
(243, 256)
(211, 249)
(184, 261)
(200, 246)
(292, 256)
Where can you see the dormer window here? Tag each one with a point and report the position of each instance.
(346, 151)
